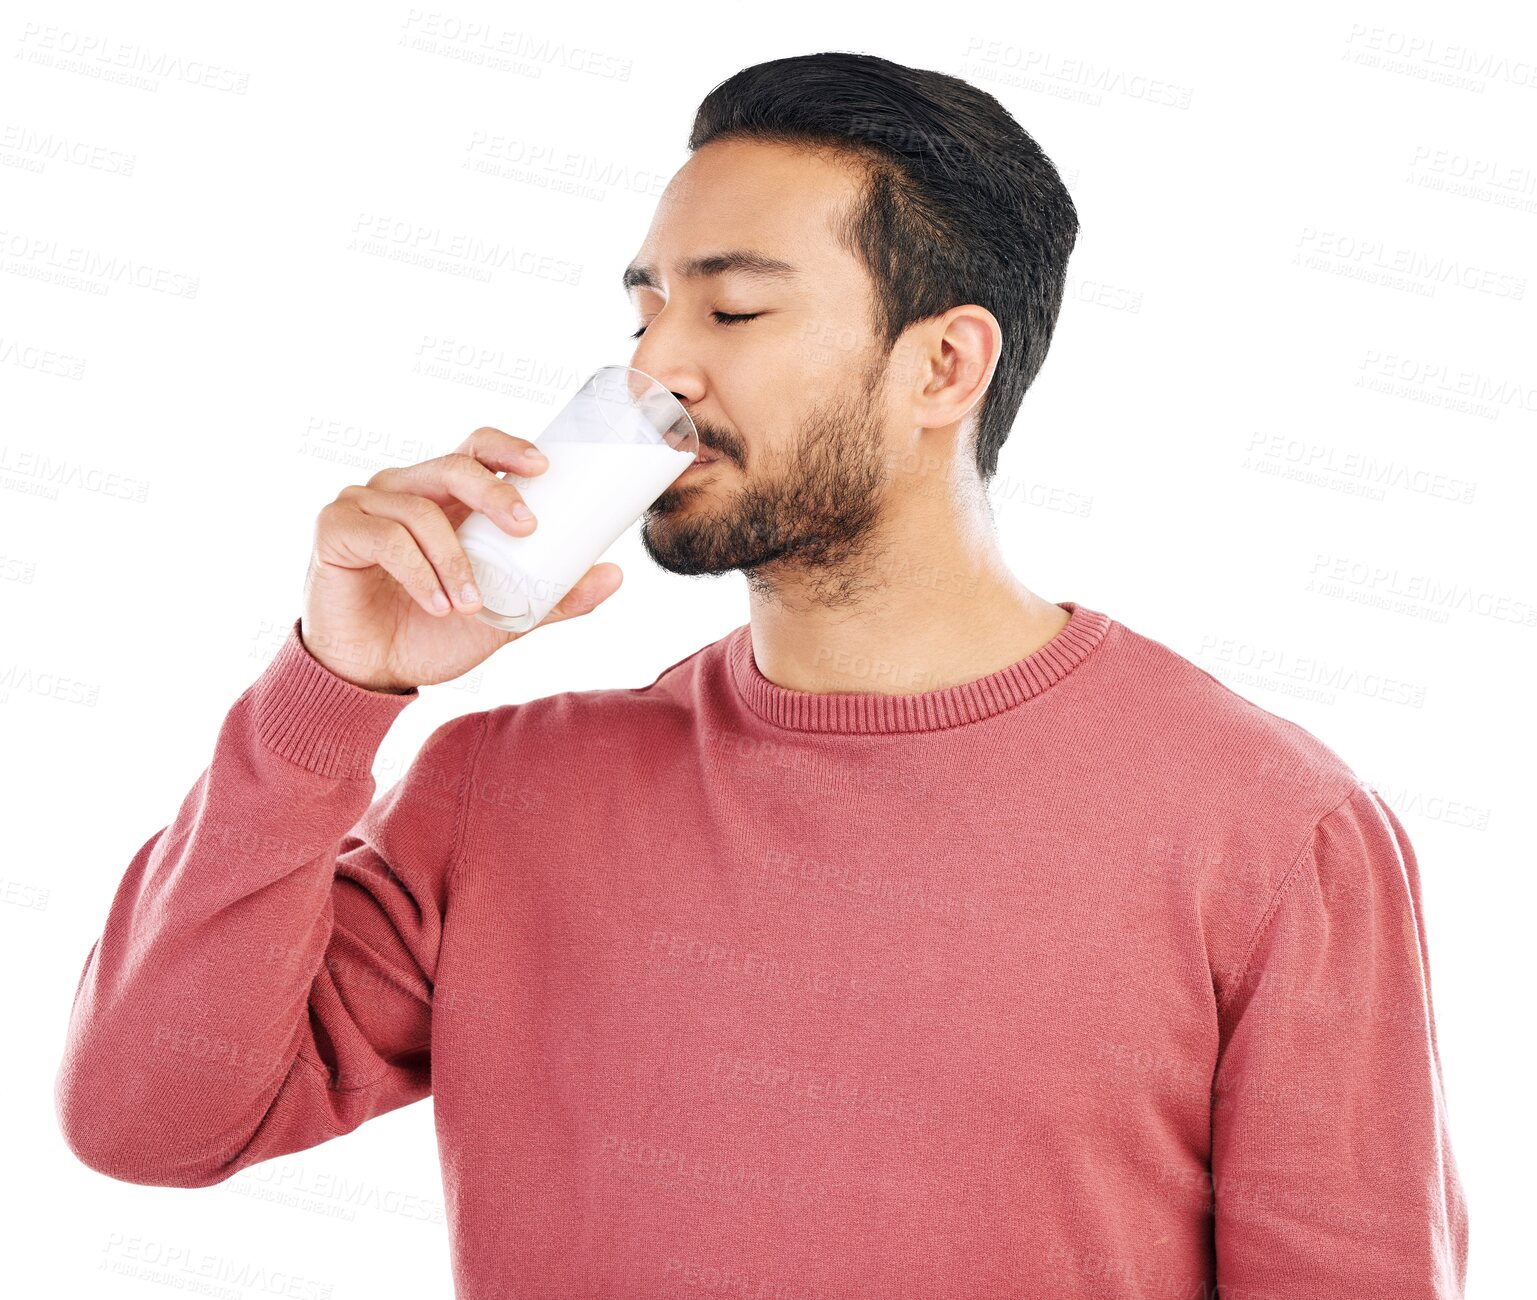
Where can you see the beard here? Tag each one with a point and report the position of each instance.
(813, 514)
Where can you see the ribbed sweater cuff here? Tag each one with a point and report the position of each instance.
(310, 716)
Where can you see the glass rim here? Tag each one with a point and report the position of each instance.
(671, 397)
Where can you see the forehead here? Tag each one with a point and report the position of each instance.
(774, 202)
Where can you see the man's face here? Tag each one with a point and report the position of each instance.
(791, 402)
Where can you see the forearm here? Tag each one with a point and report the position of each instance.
(193, 1006)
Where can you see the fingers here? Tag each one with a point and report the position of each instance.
(467, 479)
(589, 591)
(502, 450)
(405, 520)
(408, 536)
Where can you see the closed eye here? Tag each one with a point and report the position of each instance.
(721, 317)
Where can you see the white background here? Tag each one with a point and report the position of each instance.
(1288, 427)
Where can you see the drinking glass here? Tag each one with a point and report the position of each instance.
(620, 441)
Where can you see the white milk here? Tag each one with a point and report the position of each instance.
(582, 503)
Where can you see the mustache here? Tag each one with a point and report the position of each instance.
(717, 443)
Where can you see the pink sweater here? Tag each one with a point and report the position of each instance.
(1087, 978)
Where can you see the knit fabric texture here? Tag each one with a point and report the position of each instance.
(1086, 978)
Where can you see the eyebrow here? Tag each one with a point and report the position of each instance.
(742, 261)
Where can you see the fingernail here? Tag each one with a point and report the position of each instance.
(521, 511)
(468, 594)
(534, 456)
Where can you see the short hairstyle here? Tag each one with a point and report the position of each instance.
(960, 204)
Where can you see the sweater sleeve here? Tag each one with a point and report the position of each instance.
(264, 979)
(1332, 1169)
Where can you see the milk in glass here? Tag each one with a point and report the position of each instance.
(582, 503)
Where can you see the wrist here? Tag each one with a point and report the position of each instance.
(342, 670)
(318, 719)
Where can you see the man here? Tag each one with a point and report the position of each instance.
(920, 937)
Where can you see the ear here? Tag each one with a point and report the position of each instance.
(953, 357)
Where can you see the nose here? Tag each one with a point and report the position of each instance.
(661, 358)
(685, 397)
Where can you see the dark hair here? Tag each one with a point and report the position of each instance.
(960, 204)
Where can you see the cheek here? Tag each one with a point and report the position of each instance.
(824, 351)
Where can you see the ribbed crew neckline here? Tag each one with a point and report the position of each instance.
(853, 712)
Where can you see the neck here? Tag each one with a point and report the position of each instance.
(928, 603)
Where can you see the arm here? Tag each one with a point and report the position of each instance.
(264, 980)
(1331, 1159)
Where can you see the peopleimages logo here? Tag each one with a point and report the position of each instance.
(113, 60)
(73, 266)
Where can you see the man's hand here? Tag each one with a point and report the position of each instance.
(389, 599)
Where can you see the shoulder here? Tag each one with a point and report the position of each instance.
(1255, 812)
(1236, 755)
(603, 718)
